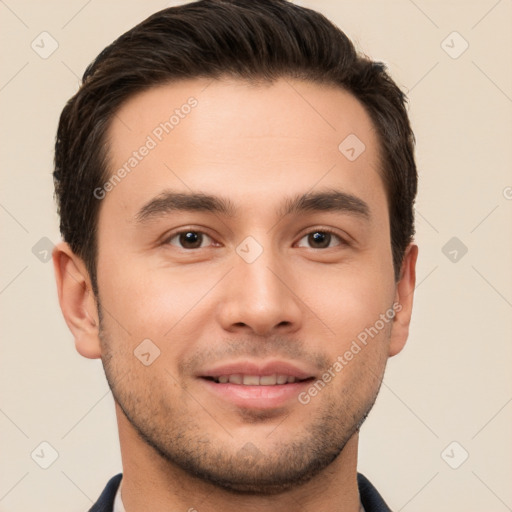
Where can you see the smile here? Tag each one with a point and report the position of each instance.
(256, 380)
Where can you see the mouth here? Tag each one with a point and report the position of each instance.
(257, 380)
(255, 386)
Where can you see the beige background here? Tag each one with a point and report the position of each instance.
(452, 382)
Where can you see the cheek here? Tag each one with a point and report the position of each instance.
(350, 297)
(158, 303)
(358, 309)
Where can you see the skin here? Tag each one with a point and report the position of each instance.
(184, 447)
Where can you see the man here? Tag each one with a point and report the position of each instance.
(236, 190)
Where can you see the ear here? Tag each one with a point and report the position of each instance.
(77, 300)
(404, 298)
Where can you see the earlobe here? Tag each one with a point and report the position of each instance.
(404, 300)
(77, 300)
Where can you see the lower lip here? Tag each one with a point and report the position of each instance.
(257, 397)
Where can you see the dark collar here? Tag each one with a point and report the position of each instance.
(370, 498)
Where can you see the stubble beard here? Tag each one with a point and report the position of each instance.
(181, 442)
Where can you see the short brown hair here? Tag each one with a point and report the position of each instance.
(245, 39)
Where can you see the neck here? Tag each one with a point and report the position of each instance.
(153, 483)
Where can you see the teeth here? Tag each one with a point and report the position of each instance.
(282, 379)
(256, 380)
(251, 380)
(237, 378)
(268, 380)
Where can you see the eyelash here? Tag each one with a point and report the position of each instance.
(342, 242)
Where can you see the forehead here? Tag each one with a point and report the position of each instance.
(258, 140)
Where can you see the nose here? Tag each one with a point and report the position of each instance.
(261, 297)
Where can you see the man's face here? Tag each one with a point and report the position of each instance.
(248, 296)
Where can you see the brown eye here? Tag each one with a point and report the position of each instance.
(188, 239)
(322, 239)
(319, 239)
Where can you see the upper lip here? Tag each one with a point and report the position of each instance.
(254, 368)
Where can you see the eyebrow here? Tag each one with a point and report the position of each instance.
(327, 201)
